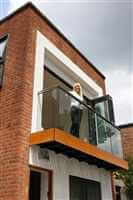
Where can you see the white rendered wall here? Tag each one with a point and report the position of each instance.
(44, 185)
(43, 45)
(63, 167)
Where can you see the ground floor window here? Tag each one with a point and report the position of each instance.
(118, 193)
(82, 189)
(40, 185)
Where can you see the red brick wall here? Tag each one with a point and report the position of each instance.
(16, 98)
(127, 140)
(15, 109)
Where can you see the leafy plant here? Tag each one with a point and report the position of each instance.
(127, 177)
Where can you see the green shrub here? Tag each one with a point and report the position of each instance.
(127, 177)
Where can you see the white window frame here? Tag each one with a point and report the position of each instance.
(43, 46)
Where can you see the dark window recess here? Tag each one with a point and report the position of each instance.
(118, 193)
(3, 46)
(1, 73)
(111, 110)
(82, 189)
(35, 183)
(51, 80)
(104, 106)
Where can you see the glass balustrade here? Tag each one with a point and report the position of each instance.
(62, 110)
(116, 143)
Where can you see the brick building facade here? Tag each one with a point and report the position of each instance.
(127, 143)
(127, 139)
(16, 96)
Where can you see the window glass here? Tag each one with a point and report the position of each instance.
(40, 187)
(1, 73)
(35, 183)
(3, 44)
(82, 189)
(104, 106)
(51, 80)
(50, 102)
(2, 47)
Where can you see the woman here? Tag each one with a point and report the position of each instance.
(76, 109)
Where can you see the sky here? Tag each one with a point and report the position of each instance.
(103, 31)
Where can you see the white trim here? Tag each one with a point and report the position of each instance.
(38, 86)
(64, 167)
(43, 45)
(67, 62)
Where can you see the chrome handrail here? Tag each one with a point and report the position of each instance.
(47, 90)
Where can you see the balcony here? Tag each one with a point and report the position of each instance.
(98, 141)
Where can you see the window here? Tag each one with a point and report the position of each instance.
(40, 187)
(104, 106)
(118, 193)
(82, 189)
(35, 185)
(3, 45)
(51, 80)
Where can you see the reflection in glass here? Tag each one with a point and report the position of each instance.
(93, 128)
(83, 189)
(2, 48)
(3, 43)
(116, 143)
(103, 129)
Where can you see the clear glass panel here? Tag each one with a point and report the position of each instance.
(64, 115)
(84, 125)
(80, 121)
(103, 133)
(116, 143)
(72, 119)
(92, 127)
(58, 112)
(102, 109)
(50, 109)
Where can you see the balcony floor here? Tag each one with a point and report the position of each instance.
(64, 143)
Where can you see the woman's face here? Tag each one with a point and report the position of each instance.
(77, 89)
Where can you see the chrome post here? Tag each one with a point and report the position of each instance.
(96, 128)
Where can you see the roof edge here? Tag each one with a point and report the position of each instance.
(128, 125)
(30, 4)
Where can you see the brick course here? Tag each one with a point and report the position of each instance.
(16, 96)
(15, 111)
(127, 140)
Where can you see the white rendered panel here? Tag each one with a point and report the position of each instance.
(38, 86)
(63, 167)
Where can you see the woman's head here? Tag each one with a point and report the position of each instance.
(77, 88)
